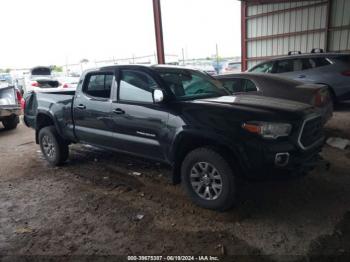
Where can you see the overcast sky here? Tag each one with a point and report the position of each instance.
(46, 32)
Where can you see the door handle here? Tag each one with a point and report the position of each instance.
(118, 111)
(81, 106)
(301, 76)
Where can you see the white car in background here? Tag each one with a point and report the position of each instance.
(229, 67)
(40, 79)
(69, 82)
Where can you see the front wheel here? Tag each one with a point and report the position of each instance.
(53, 147)
(208, 179)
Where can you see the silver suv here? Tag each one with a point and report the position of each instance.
(331, 69)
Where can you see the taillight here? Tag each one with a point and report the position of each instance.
(318, 99)
(35, 84)
(23, 103)
(20, 99)
(346, 73)
(19, 96)
(65, 86)
(321, 97)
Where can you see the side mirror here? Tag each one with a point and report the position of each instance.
(158, 96)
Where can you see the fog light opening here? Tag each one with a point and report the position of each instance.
(281, 159)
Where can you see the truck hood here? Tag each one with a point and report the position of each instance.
(261, 102)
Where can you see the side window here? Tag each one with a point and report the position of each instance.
(136, 86)
(264, 68)
(306, 64)
(99, 85)
(248, 86)
(284, 66)
(318, 62)
(233, 85)
(291, 65)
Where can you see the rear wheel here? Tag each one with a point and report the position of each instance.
(53, 147)
(208, 179)
(10, 122)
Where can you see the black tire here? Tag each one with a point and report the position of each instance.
(49, 138)
(10, 122)
(226, 198)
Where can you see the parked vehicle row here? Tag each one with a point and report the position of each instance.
(274, 86)
(184, 118)
(42, 80)
(230, 67)
(330, 69)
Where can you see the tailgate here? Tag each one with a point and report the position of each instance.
(30, 110)
(8, 96)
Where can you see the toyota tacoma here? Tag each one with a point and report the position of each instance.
(184, 118)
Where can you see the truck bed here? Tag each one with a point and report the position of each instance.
(54, 106)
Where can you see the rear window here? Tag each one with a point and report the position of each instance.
(99, 85)
(236, 85)
(41, 71)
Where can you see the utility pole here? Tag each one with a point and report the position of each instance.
(159, 31)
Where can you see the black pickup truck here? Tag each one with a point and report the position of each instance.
(184, 118)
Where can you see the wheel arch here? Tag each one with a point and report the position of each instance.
(185, 142)
(43, 119)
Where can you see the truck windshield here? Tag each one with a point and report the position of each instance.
(189, 84)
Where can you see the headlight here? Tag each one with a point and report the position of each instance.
(268, 129)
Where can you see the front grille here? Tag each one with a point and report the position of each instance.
(311, 132)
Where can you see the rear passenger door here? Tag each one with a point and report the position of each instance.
(92, 109)
(138, 122)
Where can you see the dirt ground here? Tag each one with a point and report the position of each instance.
(96, 205)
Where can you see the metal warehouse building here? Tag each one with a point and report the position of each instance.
(273, 28)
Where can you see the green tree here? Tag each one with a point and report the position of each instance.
(57, 68)
(84, 60)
